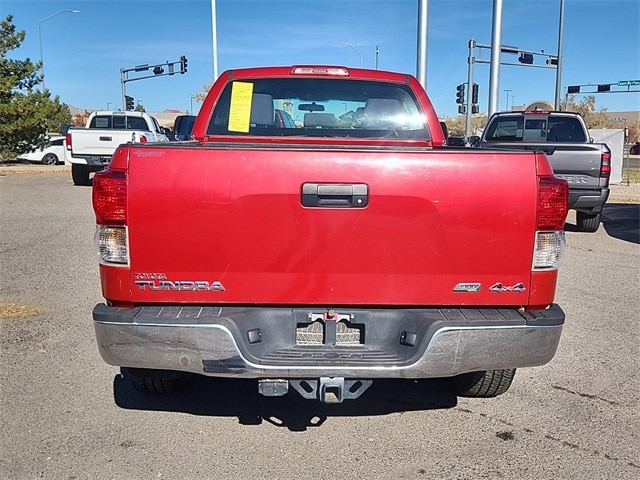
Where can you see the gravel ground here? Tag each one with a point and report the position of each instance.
(623, 193)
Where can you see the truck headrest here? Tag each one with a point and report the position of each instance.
(262, 110)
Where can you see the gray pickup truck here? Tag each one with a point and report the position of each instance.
(564, 138)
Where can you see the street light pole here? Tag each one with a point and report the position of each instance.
(214, 39)
(559, 65)
(508, 91)
(496, 41)
(421, 64)
(357, 51)
(40, 35)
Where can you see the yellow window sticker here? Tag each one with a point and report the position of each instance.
(240, 114)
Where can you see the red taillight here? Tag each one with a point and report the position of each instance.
(605, 164)
(68, 141)
(553, 203)
(110, 197)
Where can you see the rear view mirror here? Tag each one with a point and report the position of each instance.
(311, 107)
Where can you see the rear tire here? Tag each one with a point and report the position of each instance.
(483, 384)
(50, 159)
(80, 174)
(153, 382)
(587, 223)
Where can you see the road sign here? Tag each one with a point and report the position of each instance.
(628, 83)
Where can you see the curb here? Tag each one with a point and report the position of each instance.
(11, 168)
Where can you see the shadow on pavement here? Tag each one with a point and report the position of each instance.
(622, 221)
(222, 397)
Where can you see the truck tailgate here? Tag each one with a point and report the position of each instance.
(94, 142)
(227, 224)
(578, 164)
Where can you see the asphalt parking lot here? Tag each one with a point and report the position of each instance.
(67, 415)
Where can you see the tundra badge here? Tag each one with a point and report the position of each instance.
(467, 287)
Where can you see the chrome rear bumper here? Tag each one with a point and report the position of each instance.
(260, 342)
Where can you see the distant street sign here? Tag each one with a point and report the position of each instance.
(628, 83)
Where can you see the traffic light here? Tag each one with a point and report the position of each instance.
(460, 94)
(526, 58)
(129, 102)
(474, 94)
(552, 61)
(158, 70)
(604, 88)
(183, 64)
(573, 89)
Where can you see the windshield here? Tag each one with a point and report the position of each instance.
(318, 107)
(536, 128)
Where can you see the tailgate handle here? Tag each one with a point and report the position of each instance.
(106, 139)
(344, 195)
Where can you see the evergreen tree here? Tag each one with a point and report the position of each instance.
(26, 114)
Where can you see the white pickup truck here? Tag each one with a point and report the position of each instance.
(89, 149)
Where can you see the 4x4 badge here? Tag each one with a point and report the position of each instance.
(499, 287)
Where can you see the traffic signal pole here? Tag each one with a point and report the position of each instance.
(124, 91)
(467, 130)
(158, 71)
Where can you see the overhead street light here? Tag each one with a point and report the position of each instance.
(357, 51)
(40, 35)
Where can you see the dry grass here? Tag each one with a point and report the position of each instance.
(11, 310)
(631, 176)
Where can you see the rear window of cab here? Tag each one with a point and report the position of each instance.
(118, 122)
(536, 128)
(318, 107)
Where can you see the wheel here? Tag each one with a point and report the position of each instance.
(587, 223)
(155, 381)
(50, 159)
(483, 384)
(80, 174)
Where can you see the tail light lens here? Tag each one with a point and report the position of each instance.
(605, 164)
(112, 244)
(110, 207)
(110, 197)
(549, 250)
(553, 203)
(67, 141)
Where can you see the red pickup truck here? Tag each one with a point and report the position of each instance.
(346, 246)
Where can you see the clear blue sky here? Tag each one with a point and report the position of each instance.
(84, 52)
